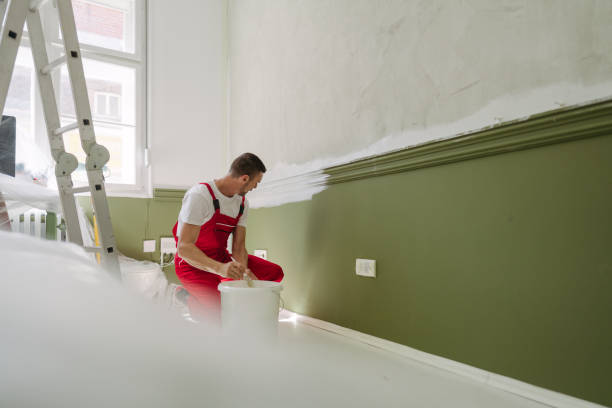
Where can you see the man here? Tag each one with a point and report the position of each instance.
(210, 213)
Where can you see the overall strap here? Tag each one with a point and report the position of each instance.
(215, 201)
(241, 210)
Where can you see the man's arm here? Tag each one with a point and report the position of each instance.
(190, 253)
(239, 252)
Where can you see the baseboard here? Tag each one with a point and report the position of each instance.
(525, 390)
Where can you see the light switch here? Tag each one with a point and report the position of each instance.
(365, 267)
(167, 245)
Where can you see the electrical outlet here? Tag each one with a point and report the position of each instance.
(365, 267)
(148, 245)
(167, 245)
(261, 253)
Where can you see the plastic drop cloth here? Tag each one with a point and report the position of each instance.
(143, 277)
(21, 195)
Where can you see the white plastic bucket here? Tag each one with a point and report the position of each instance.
(250, 311)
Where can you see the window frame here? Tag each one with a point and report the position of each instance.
(137, 60)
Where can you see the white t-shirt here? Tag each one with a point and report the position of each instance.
(198, 206)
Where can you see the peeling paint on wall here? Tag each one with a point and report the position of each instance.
(286, 183)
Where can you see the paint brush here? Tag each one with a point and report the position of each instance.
(245, 276)
(248, 280)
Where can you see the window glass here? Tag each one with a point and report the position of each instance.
(106, 23)
(111, 89)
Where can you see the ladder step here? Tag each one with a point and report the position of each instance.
(66, 128)
(77, 190)
(52, 65)
(36, 4)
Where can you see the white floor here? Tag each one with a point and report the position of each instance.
(369, 376)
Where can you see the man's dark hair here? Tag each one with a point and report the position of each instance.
(247, 163)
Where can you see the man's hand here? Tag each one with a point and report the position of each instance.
(232, 270)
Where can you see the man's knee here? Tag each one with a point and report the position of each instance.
(278, 273)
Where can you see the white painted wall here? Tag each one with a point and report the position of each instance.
(187, 90)
(334, 80)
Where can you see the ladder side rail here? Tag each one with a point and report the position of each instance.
(3, 4)
(65, 163)
(109, 253)
(97, 155)
(10, 38)
(76, 75)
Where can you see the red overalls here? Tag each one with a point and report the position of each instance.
(204, 297)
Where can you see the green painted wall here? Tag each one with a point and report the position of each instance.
(137, 219)
(502, 262)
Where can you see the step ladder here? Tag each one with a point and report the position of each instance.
(16, 13)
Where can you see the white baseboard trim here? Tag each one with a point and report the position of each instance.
(525, 390)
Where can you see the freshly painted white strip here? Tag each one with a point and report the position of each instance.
(289, 184)
(532, 392)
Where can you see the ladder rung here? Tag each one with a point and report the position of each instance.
(66, 128)
(36, 4)
(77, 190)
(52, 65)
(93, 249)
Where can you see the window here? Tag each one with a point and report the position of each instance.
(107, 104)
(112, 39)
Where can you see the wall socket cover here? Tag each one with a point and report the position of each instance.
(167, 245)
(148, 245)
(261, 253)
(365, 267)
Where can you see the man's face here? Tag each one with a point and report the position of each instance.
(250, 183)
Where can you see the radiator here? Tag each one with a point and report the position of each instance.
(39, 223)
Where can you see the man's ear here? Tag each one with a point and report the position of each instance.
(245, 178)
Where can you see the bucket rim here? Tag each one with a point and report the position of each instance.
(230, 286)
